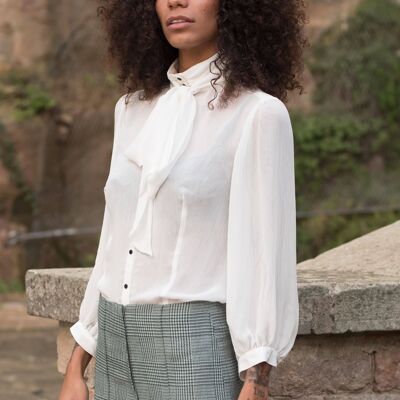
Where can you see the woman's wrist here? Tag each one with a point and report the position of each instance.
(79, 360)
(259, 374)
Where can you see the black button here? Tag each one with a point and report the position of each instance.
(125, 286)
(179, 79)
(130, 251)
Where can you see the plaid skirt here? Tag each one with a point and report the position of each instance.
(173, 351)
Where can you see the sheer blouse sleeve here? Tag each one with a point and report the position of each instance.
(85, 329)
(262, 299)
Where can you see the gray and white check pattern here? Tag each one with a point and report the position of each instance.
(173, 351)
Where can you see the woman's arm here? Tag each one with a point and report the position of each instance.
(79, 360)
(257, 382)
(74, 386)
(262, 298)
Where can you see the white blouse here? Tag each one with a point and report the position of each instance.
(200, 205)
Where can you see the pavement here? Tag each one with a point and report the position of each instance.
(28, 352)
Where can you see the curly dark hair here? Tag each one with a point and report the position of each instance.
(259, 42)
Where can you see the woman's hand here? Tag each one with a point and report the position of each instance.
(74, 386)
(256, 383)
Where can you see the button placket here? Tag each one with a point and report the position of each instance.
(127, 276)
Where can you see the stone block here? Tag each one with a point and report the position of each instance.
(387, 366)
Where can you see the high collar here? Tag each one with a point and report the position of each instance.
(197, 76)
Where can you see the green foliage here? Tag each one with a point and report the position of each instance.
(318, 234)
(26, 93)
(8, 158)
(357, 68)
(34, 101)
(328, 145)
(356, 119)
(88, 260)
(111, 80)
(13, 286)
(92, 81)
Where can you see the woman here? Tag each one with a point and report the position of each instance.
(193, 294)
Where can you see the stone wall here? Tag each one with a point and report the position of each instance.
(24, 33)
(58, 44)
(348, 343)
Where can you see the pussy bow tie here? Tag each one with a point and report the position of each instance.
(157, 147)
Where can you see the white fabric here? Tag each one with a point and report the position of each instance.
(200, 205)
(176, 109)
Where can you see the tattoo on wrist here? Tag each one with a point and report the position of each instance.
(259, 374)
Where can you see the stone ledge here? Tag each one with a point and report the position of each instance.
(56, 292)
(354, 287)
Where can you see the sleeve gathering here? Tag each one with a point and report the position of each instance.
(85, 330)
(262, 307)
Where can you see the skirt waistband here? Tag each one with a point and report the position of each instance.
(176, 306)
(171, 319)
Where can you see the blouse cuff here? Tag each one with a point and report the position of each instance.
(83, 337)
(256, 356)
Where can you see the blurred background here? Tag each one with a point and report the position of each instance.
(57, 100)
